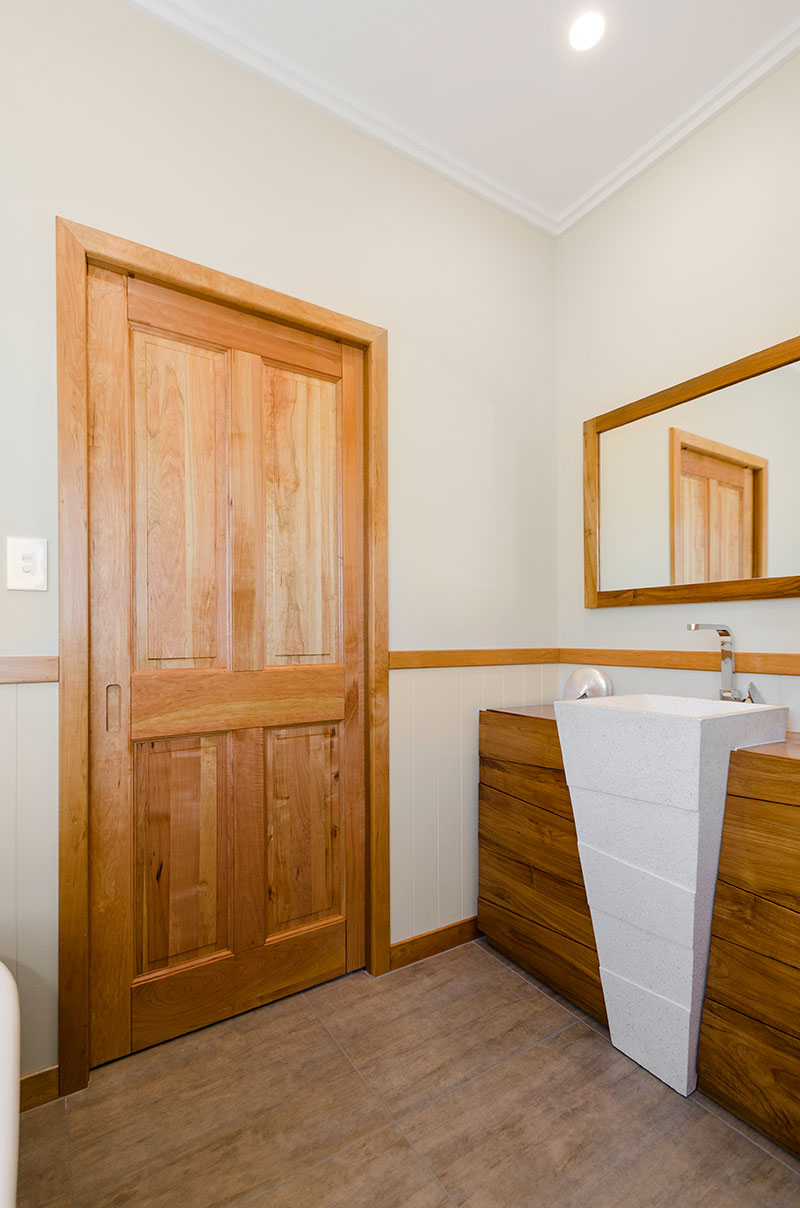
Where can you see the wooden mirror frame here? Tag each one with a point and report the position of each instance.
(773, 587)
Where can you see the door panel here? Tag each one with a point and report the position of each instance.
(182, 857)
(227, 532)
(303, 826)
(180, 401)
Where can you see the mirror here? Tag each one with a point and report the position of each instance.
(694, 493)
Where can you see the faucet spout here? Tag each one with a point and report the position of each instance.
(726, 691)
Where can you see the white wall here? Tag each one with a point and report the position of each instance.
(113, 121)
(693, 265)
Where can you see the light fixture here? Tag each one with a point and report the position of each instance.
(587, 31)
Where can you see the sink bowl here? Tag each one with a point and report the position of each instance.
(648, 776)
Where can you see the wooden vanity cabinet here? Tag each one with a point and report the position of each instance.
(749, 1057)
(532, 904)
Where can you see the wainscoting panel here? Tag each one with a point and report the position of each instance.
(433, 739)
(29, 861)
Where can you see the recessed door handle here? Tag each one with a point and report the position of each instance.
(113, 708)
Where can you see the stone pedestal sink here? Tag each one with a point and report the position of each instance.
(648, 777)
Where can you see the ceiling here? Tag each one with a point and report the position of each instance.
(489, 93)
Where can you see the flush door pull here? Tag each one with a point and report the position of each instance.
(113, 708)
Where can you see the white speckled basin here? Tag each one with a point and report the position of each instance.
(648, 777)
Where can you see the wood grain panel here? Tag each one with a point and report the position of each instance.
(42, 669)
(545, 787)
(744, 918)
(248, 502)
(302, 516)
(405, 660)
(110, 892)
(171, 702)
(568, 967)
(248, 807)
(180, 408)
(516, 739)
(196, 318)
(761, 849)
(767, 773)
(518, 886)
(304, 828)
(39, 1088)
(166, 1005)
(73, 647)
(522, 831)
(431, 943)
(182, 851)
(765, 989)
(753, 1070)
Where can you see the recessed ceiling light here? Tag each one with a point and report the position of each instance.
(587, 31)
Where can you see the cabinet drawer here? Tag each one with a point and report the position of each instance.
(742, 918)
(531, 740)
(753, 1070)
(568, 967)
(524, 832)
(755, 985)
(761, 849)
(545, 787)
(536, 895)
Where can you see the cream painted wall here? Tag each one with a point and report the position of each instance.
(693, 265)
(112, 120)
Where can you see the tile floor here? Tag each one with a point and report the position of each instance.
(459, 1080)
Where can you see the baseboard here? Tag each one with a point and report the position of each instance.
(406, 952)
(36, 1089)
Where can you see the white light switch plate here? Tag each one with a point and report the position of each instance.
(26, 563)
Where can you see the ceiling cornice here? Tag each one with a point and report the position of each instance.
(260, 60)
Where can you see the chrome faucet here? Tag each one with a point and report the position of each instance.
(726, 692)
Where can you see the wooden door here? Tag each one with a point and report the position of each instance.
(227, 755)
(718, 504)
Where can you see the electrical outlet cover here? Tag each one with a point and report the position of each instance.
(26, 563)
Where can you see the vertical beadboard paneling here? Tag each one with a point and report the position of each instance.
(425, 801)
(471, 704)
(493, 697)
(450, 805)
(513, 685)
(401, 802)
(37, 872)
(8, 826)
(532, 685)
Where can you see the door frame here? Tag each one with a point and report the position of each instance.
(76, 248)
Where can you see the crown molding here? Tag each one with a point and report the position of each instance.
(769, 58)
(260, 60)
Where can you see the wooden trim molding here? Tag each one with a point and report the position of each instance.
(751, 663)
(33, 670)
(76, 247)
(774, 587)
(431, 943)
(405, 660)
(36, 1089)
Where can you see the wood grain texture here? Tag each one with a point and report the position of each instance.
(377, 570)
(36, 669)
(247, 514)
(110, 771)
(524, 832)
(164, 703)
(101, 248)
(73, 620)
(758, 986)
(38, 1089)
(516, 884)
(753, 1070)
(404, 660)
(353, 737)
(760, 849)
(562, 963)
(756, 923)
(431, 943)
(545, 787)
(769, 773)
(519, 739)
(198, 319)
(166, 1005)
(180, 399)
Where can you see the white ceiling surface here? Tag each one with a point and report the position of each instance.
(489, 93)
